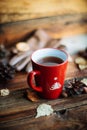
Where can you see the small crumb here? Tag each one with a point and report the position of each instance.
(4, 92)
(44, 110)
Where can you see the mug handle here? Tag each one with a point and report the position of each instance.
(30, 81)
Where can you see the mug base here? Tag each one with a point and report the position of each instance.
(52, 97)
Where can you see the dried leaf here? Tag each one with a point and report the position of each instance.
(22, 46)
(4, 92)
(44, 110)
(32, 96)
(81, 61)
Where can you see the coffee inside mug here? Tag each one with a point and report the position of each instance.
(49, 57)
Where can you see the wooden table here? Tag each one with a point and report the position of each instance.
(59, 19)
(18, 113)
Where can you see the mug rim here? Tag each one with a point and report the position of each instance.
(61, 50)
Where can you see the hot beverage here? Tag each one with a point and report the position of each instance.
(50, 61)
(48, 74)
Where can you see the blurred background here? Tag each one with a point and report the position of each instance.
(59, 18)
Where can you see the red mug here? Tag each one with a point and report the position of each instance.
(49, 68)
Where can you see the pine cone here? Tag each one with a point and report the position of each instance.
(75, 87)
(7, 72)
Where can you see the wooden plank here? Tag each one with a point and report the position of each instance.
(45, 123)
(17, 103)
(27, 9)
(77, 121)
(16, 112)
(57, 27)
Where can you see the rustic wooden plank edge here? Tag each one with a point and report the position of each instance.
(22, 104)
(56, 26)
(74, 116)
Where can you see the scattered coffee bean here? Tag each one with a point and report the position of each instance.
(85, 89)
(64, 94)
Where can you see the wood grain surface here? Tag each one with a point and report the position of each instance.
(56, 27)
(27, 9)
(59, 19)
(16, 112)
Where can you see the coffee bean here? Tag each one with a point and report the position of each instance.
(64, 94)
(85, 89)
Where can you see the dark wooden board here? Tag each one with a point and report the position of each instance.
(16, 112)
